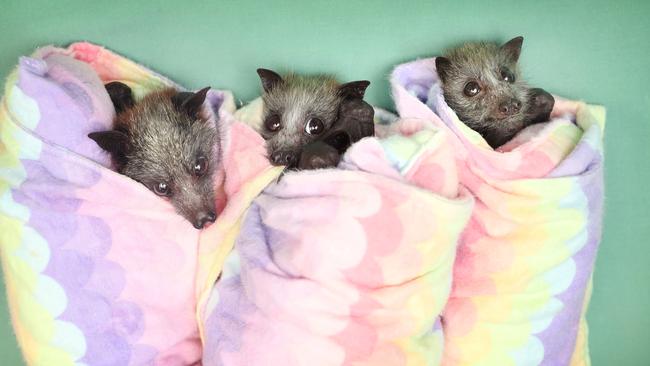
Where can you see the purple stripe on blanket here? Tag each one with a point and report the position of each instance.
(92, 283)
(559, 338)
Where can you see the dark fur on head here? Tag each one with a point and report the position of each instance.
(166, 143)
(482, 83)
(298, 110)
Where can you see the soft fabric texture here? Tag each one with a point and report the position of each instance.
(524, 264)
(99, 270)
(347, 266)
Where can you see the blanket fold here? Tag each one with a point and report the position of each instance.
(525, 260)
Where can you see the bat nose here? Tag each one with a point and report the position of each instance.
(510, 107)
(203, 218)
(283, 158)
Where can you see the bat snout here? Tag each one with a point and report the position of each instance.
(509, 107)
(204, 218)
(284, 157)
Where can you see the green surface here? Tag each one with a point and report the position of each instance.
(597, 51)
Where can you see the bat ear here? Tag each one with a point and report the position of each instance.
(443, 65)
(270, 79)
(120, 95)
(190, 103)
(512, 49)
(354, 89)
(114, 142)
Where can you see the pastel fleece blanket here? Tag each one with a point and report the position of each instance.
(100, 271)
(347, 266)
(334, 267)
(523, 270)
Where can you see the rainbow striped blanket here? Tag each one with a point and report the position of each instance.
(348, 266)
(425, 246)
(523, 272)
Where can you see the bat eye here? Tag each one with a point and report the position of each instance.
(471, 89)
(162, 189)
(314, 126)
(200, 166)
(507, 75)
(272, 123)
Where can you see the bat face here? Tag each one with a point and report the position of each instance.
(166, 144)
(296, 112)
(299, 111)
(481, 82)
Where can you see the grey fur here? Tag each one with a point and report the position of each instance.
(484, 63)
(296, 99)
(164, 142)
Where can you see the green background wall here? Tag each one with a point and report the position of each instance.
(598, 51)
